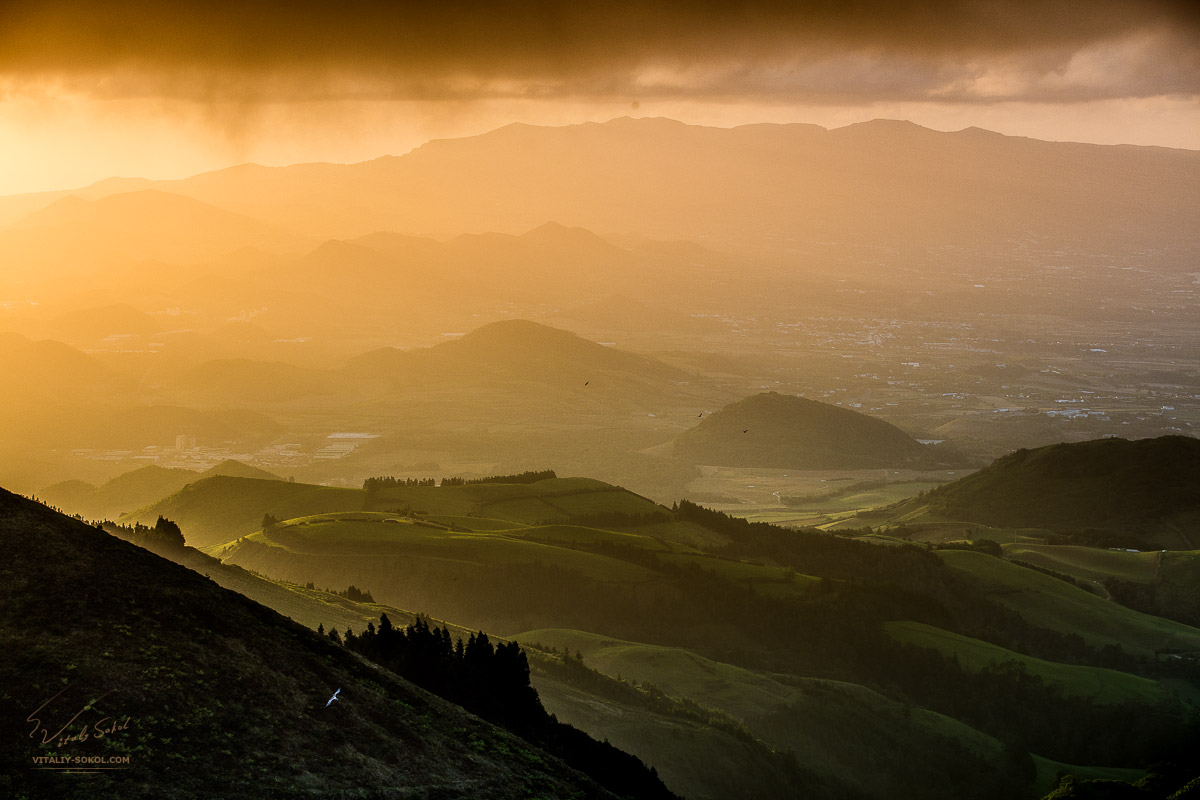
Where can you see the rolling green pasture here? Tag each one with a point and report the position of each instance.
(1056, 605)
(545, 501)
(220, 509)
(1088, 563)
(1098, 684)
(1048, 772)
(834, 728)
(765, 579)
(349, 536)
(473, 523)
(758, 494)
(579, 536)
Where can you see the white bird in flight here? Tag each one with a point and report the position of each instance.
(335, 697)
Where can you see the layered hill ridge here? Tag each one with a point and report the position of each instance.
(207, 692)
(220, 509)
(519, 350)
(49, 368)
(132, 490)
(1148, 487)
(549, 263)
(118, 230)
(778, 431)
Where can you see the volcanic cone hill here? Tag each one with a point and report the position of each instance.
(778, 431)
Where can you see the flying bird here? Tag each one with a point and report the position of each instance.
(335, 697)
(746, 431)
(585, 383)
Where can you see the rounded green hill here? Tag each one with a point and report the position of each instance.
(780, 431)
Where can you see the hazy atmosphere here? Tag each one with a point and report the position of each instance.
(89, 90)
(642, 400)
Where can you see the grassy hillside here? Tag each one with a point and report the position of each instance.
(217, 510)
(208, 693)
(694, 759)
(778, 431)
(703, 759)
(843, 734)
(1055, 604)
(1095, 683)
(470, 578)
(807, 604)
(1091, 564)
(1149, 487)
(309, 607)
(552, 500)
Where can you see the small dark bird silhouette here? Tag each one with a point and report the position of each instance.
(746, 431)
(701, 414)
(585, 383)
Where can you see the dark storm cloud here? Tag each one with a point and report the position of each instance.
(910, 49)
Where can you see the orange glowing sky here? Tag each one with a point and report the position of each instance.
(95, 88)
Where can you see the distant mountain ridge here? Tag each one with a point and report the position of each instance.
(778, 431)
(872, 182)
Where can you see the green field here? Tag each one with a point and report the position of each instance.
(1048, 772)
(760, 493)
(693, 759)
(219, 509)
(311, 607)
(738, 692)
(552, 500)
(578, 536)
(1055, 604)
(834, 728)
(688, 534)
(349, 536)
(1098, 684)
(768, 580)
(477, 579)
(473, 523)
(1088, 563)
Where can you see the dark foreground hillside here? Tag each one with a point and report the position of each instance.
(161, 683)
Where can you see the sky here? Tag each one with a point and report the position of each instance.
(97, 88)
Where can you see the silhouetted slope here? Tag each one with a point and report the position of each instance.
(213, 695)
(787, 432)
(1149, 487)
